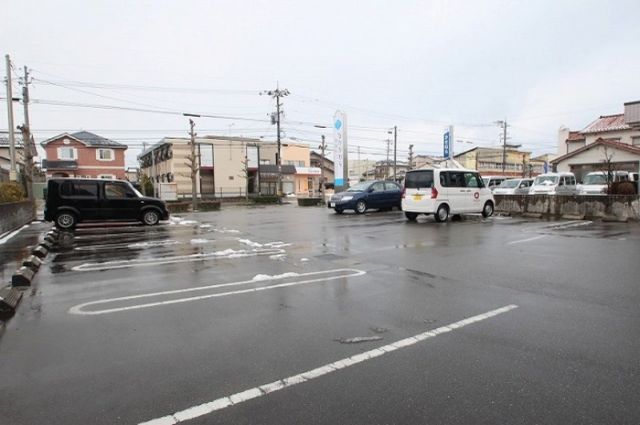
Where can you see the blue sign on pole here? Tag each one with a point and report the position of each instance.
(446, 146)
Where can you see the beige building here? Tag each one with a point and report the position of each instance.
(301, 180)
(610, 139)
(488, 161)
(228, 166)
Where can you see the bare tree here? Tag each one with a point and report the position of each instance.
(192, 163)
(244, 173)
(608, 166)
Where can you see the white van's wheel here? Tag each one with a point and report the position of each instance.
(442, 214)
(487, 210)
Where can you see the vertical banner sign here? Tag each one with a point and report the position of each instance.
(340, 148)
(446, 151)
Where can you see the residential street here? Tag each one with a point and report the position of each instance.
(117, 333)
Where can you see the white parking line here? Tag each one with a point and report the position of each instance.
(12, 234)
(526, 240)
(227, 253)
(331, 275)
(221, 403)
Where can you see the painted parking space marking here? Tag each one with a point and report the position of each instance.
(237, 398)
(144, 262)
(526, 240)
(8, 236)
(301, 279)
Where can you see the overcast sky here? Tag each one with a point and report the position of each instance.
(420, 65)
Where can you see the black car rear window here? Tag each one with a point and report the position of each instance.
(419, 179)
(83, 189)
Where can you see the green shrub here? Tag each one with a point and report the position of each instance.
(178, 206)
(11, 192)
(266, 199)
(209, 205)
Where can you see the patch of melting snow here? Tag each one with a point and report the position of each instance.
(152, 243)
(250, 243)
(259, 277)
(199, 241)
(358, 339)
(278, 257)
(205, 226)
(224, 230)
(304, 259)
(278, 244)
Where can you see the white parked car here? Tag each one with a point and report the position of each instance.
(563, 183)
(595, 183)
(443, 192)
(493, 181)
(513, 187)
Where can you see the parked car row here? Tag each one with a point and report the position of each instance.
(564, 183)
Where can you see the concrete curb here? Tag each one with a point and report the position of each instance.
(24, 275)
(9, 300)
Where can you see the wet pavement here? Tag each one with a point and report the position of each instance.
(282, 314)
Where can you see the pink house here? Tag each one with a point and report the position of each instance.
(83, 154)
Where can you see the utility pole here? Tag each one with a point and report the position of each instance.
(395, 151)
(193, 165)
(410, 157)
(277, 94)
(386, 165)
(28, 148)
(322, 148)
(12, 137)
(503, 124)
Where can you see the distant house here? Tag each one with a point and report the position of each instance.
(612, 139)
(328, 171)
(5, 157)
(83, 154)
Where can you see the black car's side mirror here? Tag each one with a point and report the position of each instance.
(370, 190)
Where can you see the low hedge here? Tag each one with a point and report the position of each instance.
(178, 206)
(309, 202)
(266, 199)
(209, 206)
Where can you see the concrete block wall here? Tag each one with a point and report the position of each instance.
(618, 206)
(15, 214)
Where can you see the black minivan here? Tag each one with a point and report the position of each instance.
(70, 201)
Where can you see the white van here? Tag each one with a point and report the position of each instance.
(443, 192)
(595, 183)
(563, 183)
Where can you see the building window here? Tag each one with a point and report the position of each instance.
(635, 141)
(104, 154)
(106, 176)
(67, 153)
(265, 161)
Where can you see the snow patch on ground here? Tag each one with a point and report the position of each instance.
(224, 230)
(259, 277)
(151, 244)
(278, 257)
(205, 226)
(199, 241)
(277, 244)
(174, 219)
(304, 259)
(250, 243)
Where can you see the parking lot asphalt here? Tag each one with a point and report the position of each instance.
(282, 314)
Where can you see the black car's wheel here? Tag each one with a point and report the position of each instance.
(150, 217)
(487, 210)
(338, 210)
(361, 207)
(411, 216)
(66, 220)
(442, 214)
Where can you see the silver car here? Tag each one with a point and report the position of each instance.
(513, 187)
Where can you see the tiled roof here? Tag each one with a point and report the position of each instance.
(606, 123)
(575, 136)
(89, 139)
(4, 140)
(608, 142)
